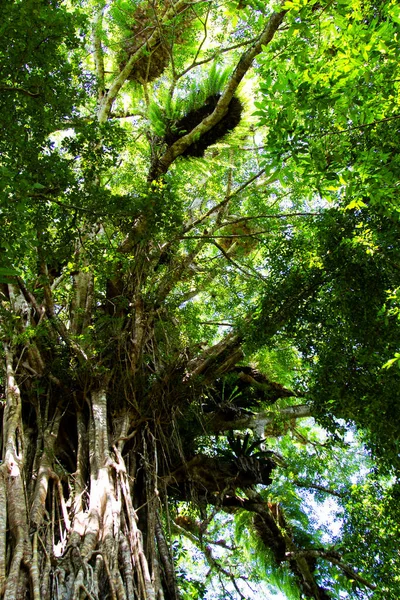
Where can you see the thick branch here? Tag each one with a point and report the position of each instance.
(238, 74)
(216, 360)
(221, 474)
(13, 465)
(257, 422)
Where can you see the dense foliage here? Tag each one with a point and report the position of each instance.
(199, 299)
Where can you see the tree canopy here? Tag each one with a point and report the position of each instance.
(199, 299)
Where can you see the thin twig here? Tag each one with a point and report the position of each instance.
(225, 201)
(324, 134)
(7, 88)
(216, 323)
(255, 274)
(320, 488)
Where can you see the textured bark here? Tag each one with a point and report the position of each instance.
(86, 516)
(3, 528)
(13, 466)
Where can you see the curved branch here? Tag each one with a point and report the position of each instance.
(235, 264)
(215, 360)
(216, 55)
(227, 198)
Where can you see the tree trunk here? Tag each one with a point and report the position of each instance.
(72, 522)
(93, 449)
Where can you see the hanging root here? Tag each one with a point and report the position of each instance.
(100, 551)
(12, 470)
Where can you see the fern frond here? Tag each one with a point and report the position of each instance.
(254, 445)
(157, 119)
(244, 448)
(164, 111)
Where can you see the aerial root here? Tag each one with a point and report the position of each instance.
(101, 552)
(3, 530)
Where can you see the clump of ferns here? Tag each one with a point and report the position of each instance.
(239, 447)
(172, 118)
(250, 457)
(136, 22)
